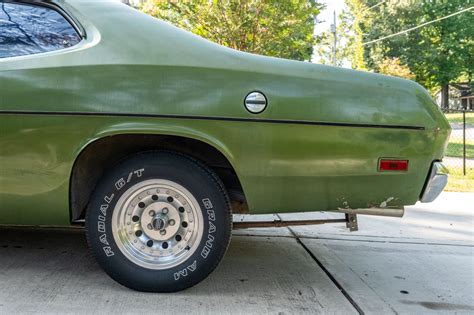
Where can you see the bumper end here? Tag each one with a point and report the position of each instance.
(437, 180)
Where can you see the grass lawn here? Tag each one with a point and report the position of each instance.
(458, 182)
(456, 149)
(457, 118)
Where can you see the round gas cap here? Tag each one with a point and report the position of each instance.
(255, 102)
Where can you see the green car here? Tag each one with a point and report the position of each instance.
(152, 137)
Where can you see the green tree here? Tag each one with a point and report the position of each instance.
(323, 53)
(274, 28)
(394, 67)
(438, 53)
(354, 17)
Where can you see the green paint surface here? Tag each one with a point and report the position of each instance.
(134, 64)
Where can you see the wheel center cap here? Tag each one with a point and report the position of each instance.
(159, 222)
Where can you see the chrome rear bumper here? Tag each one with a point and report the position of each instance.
(437, 180)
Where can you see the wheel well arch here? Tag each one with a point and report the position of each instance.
(101, 154)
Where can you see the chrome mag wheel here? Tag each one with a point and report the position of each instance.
(157, 224)
(163, 229)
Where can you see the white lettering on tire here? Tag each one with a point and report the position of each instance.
(119, 184)
(207, 203)
(184, 272)
(211, 216)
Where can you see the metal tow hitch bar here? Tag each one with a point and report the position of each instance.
(350, 218)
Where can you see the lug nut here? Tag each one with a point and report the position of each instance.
(149, 226)
(171, 222)
(163, 232)
(165, 210)
(152, 213)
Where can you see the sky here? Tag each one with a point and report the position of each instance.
(326, 15)
(325, 19)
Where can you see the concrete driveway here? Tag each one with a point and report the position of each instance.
(421, 263)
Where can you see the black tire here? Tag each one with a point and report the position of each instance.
(204, 186)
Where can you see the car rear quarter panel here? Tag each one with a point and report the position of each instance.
(286, 168)
(124, 80)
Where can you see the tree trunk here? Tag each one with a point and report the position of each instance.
(445, 96)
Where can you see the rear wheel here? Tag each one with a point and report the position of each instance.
(159, 222)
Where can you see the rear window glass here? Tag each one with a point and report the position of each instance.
(30, 29)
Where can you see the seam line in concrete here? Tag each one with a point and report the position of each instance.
(330, 276)
(382, 241)
(354, 240)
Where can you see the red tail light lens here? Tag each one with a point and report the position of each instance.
(393, 165)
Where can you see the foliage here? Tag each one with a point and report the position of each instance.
(394, 67)
(437, 53)
(282, 28)
(325, 42)
(354, 17)
(349, 40)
